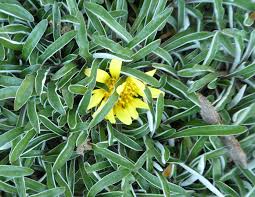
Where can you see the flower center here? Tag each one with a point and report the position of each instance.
(110, 84)
(128, 93)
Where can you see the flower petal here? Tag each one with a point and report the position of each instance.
(123, 115)
(140, 86)
(155, 92)
(102, 76)
(120, 88)
(115, 67)
(110, 117)
(132, 111)
(138, 103)
(96, 98)
(151, 72)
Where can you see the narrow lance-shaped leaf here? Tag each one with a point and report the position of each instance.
(187, 39)
(159, 110)
(21, 145)
(16, 11)
(10, 135)
(56, 46)
(150, 28)
(140, 75)
(8, 92)
(124, 139)
(51, 126)
(32, 115)
(81, 38)
(51, 192)
(5, 187)
(24, 92)
(66, 153)
(118, 159)
(107, 180)
(146, 50)
(33, 38)
(14, 171)
(54, 99)
(101, 13)
(210, 130)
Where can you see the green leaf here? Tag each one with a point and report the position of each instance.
(63, 71)
(51, 126)
(244, 71)
(175, 43)
(111, 45)
(213, 49)
(72, 118)
(156, 182)
(7, 188)
(35, 185)
(51, 192)
(77, 89)
(8, 92)
(8, 81)
(16, 11)
(32, 115)
(159, 110)
(227, 190)
(118, 159)
(105, 110)
(62, 183)
(66, 153)
(143, 52)
(72, 6)
(10, 135)
(19, 148)
(199, 84)
(150, 28)
(54, 99)
(56, 46)
(24, 92)
(107, 180)
(210, 130)
(40, 79)
(183, 89)
(103, 15)
(140, 75)
(14, 171)
(203, 180)
(34, 38)
(164, 185)
(124, 139)
(81, 38)
(219, 13)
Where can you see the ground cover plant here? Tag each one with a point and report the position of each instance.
(144, 98)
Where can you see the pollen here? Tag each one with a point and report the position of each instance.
(110, 83)
(129, 92)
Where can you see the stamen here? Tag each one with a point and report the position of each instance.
(128, 93)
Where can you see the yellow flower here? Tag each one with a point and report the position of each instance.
(130, 93)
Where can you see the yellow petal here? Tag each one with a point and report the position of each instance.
(96, 98)
(115, 67)
(123, 115)
(132, 111)
(151, 72)
(138, 103)
(155, 92)
(110, 117)
(120, 88)
(140, 86)
(102, 76)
